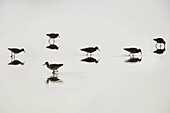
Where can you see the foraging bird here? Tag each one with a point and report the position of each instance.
(53, 67)
(159, 40)
(90, 50)
(15, 51)
(90, 60)
(53, 36)
(133, 50)
(16, 62)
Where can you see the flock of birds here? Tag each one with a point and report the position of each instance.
(88, 50)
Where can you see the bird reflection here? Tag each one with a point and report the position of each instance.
(90, 60)
(53, 46)
(159, 51)
(15, 62)
(54, 78)
(133, 60)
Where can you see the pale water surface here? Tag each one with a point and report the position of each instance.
(109, 86)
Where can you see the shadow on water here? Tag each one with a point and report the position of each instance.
(90, 60)
(133, 59)
(54, 78)
(15, 62)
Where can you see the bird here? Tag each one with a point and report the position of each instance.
(16, 62)
(53, 67)
(90, 50)
(159, 51)
(15, 51)
(52, 46)
(90, 60)
(53, 36)
(133, 50)
(159, 40)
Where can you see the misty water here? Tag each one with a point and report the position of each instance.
(114, 82)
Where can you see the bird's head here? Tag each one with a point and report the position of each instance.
(58, 35)
(46, 63)
(139, 50)
(23, 50)
(97, 48)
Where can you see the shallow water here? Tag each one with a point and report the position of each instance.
(115, 84)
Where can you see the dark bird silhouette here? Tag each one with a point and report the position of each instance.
(159, 41)
(53, 67)
(90, 50)
(133, 50)
(16, 62)
(53, 36)
(15, 51)
(133, 60)
(90, 60)
(53, 79)
(52, 46)
(160, 51)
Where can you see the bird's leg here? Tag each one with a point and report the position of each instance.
(133, 55)
(129, 54)
(53, 41)
(14, 56)
(160, 45)
(156, 45)
(164, 45)
(87, 54)
(49, 40)
(90, 54)
(11, 55)
(53, 72)
(47, 81)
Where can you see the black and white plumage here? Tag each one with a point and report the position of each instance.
(15, 51)
(53, 67)
(90, 49)
(133, 50)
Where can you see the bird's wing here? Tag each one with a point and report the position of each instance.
(13, 49)
(130, 49)
(86, 49)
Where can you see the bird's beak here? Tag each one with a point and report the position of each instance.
(24, 52)
(141, 52)
(99, 49)
(43, 64)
